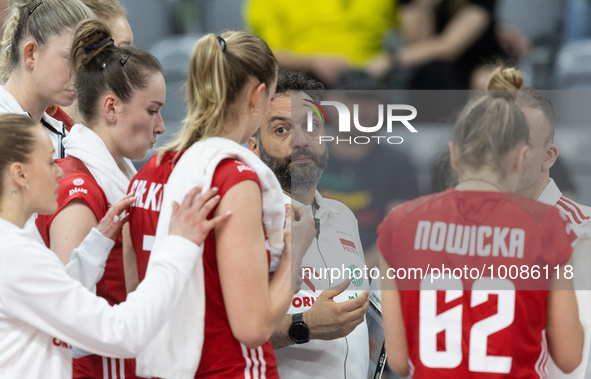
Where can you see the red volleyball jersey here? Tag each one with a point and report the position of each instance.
(78, 183)
(223, 356)
(484, 323)
(60, 115)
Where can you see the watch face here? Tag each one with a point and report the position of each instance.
(300, 332)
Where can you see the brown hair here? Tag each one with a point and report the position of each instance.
(492, 125)
(17, 140)
(532, 98)
(39, 20)
(105, 9)
(100, 66)
(218, 72)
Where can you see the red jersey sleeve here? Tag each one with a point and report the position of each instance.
(231, 172)
(81, 187)
(558, 237)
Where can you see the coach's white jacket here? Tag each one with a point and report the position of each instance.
(43, 311)
(338, 245)
(580, 218)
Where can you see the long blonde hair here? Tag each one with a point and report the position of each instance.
(491, 126)
(219, 70)
(40, 20)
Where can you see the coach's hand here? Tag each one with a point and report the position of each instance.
(328, 320)
(189, 219)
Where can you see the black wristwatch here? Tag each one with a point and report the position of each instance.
(298, 331)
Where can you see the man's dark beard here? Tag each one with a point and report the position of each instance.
(301, 179)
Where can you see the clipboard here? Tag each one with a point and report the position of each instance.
(377, 346)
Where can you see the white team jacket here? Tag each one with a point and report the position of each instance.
(43, 311)
(580, 217)
(337, 245)
(54, 128)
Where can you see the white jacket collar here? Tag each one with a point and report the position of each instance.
(324, 206)
(551, 194)
(8, 104)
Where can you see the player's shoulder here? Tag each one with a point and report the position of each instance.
(428, 203)
(579, 215)
(534, 209)
(234, 166)
(158, 167)
(78, 182)
(234, 171)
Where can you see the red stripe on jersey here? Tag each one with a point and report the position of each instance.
(573, 216)
(577, 209)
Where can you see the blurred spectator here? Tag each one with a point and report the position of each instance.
(325, 38)
(370, 179)
(577, 20)
(448, 40)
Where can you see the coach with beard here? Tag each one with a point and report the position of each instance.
(324, 334)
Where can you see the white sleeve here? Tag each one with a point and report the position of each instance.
(88, 261)
(35, 288)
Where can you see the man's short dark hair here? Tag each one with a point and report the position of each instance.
(532, 98)
(294, 81)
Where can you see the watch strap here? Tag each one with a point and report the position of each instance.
(297, 317)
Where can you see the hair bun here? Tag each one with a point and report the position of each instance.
(504, 83)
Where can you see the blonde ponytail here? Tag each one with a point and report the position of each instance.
(504, 83)
(219, 70)
(493, 125)
(7, 36)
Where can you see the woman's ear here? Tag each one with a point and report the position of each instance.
(254, 96)
(110, 103)
(18, 174)
(29, 54)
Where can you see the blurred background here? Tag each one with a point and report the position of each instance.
(377, 44)
(397, 45)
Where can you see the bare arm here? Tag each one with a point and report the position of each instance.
(129, 262)
(325, 68)
(255, 305)
(417, 20)
(563, 327)
(394, 331)
(69, 228)
(460, 33)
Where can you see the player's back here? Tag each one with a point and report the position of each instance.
(148, 186)
(488, 320)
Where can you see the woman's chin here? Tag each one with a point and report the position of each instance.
(48, 210)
